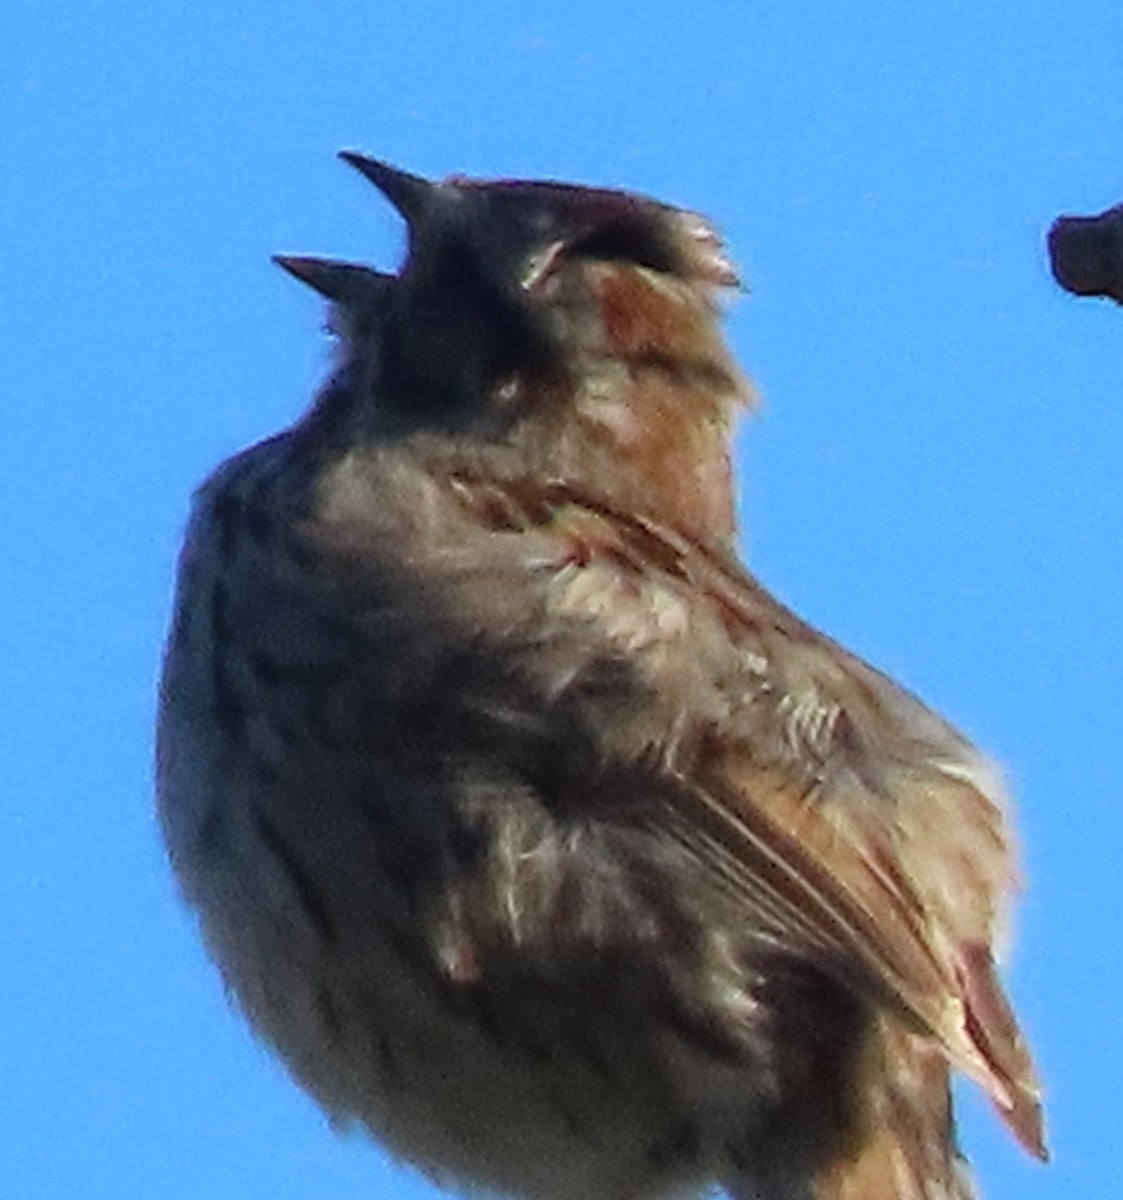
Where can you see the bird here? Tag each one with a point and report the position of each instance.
(535, 836)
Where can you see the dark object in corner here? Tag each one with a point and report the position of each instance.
(1086, 254)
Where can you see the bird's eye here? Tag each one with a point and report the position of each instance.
(542, 265)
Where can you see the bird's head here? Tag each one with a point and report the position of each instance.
(509, 236)
(577, 324)
(476, 299)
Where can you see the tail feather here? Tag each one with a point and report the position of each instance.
(989, 1023)
(907, 1148)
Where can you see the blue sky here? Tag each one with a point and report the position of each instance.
(934, 478)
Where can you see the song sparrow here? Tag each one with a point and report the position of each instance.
(531, 831)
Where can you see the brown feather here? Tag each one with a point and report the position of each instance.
(842, 857)
(533, 831)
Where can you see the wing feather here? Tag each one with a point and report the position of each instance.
(860, 829)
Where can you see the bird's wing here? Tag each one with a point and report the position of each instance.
(866, 831)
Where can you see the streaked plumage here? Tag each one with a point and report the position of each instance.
(526, 825)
